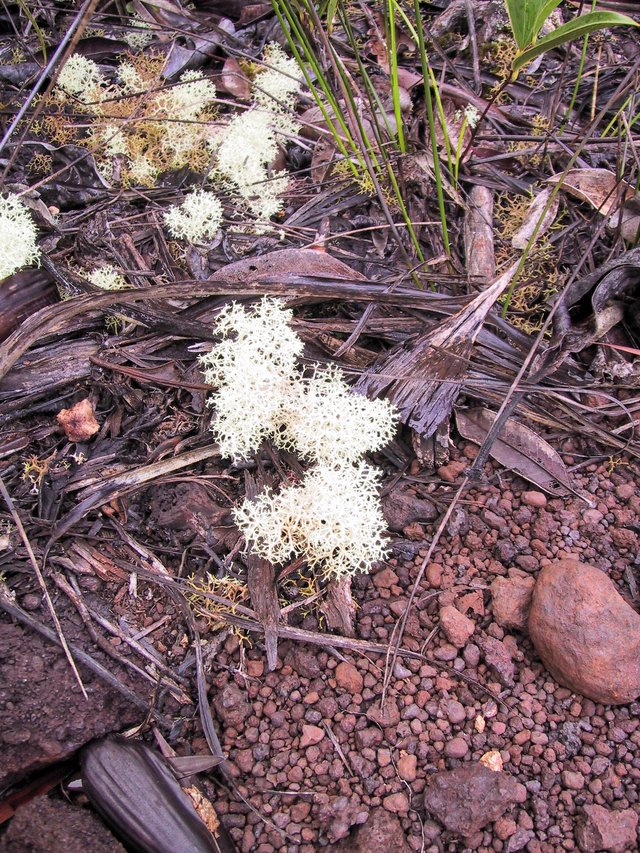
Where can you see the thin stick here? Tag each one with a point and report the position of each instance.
(32, 559)
(65, 47)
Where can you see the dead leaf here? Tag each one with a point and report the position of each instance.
(375, 46)
(233, 80)
(323, 153)
(523, 235)
(627, 220)
(518, 448)
(251, 12)
(408, 79)
(598, 187)
(301, 261)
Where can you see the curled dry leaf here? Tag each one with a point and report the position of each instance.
(518, 448)
(611, 293)
(598, 187)
(78, 422)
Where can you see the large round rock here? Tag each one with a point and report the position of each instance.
(587, 636)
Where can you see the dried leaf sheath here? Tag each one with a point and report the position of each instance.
(423, 378)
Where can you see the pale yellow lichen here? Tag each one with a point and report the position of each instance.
(18, 234)
(197, 219)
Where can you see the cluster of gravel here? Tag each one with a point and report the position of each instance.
(316, 755)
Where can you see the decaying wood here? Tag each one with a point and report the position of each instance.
(120, 484)
(22, 295)
(261, 580)
(432, 451)
(478, 234)
(339, 607)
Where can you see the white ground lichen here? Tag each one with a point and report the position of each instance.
(18, 234)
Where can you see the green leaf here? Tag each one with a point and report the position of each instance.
(574, 29)
(526, 17)
(518, 19)
(546, 8)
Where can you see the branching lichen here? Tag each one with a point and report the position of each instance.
(18, 234)
(333, 518)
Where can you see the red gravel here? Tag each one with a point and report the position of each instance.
(568, 752)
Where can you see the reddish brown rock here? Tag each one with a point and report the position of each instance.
(450, 473)
(385, 579)
(456, 626)
(471, 796)
(388, 715)
(402, 507)
(602, 829)
(511, 601)
(381, 832)
(310, 736)
(232, 706)
(407, 767)
(456, 748)
(396, 803)
(535, 499)
(336, 815)
(434, 575)
(498, 659)
(348, 677)
(587, 636)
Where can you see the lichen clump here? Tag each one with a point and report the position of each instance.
(107, 277)
(333, 517)
(18, 235)
(197, 219)
(141, 126)
(253, 369)
(148, 125)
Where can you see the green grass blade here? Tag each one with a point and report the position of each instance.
(291, 26)
(541, 16)
(426, 77)
(522, 17)
(393, 73)
(38, 31)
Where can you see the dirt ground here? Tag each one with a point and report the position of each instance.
(308, 745)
